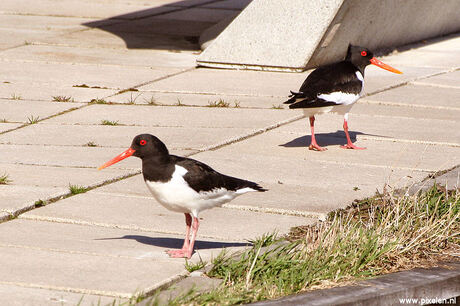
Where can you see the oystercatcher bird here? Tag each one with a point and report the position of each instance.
(182, 184)
(335, 88)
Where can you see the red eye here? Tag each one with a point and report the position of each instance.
(363, 53)
(142, 142)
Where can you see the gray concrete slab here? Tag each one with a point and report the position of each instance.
(200, 14)
(70, 156)
(433, 97)
(449, 79)
(66, 54)
(20, 295)
(144, 213)
(438, 59)
(192, 117)
(184, 138)
(7, 126)
(191, 99)
(23, 110)
(70, 74)
(368, 106)
(45, 92)
(19, 197)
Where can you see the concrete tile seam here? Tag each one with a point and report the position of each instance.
(434, 143)
(61, 166)
(385, 88)
(155, 80)
(249, 135)
(46, 118)
(435, 85)
(116, 226)
(211, 93)
(54, 250)
(333, 162)
(276, 211)
(389, 103)
(70, 289)
(164, 283)
(406, 117)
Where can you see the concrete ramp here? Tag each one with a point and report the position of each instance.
(295, 35)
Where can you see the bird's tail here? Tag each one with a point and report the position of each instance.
(294, 96)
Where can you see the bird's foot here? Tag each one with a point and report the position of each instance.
(316, 147)
(352, 146)
(180, 253)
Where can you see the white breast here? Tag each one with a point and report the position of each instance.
(177, 195)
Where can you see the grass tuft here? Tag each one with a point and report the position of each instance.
(63, 99)
(99, 101)
(219, 103)
(4, 120)
(90, 144)
(378, 235)
(151, 101)
(108, 122)
(32, 119)
(5, 179)
(190, 267)
(39, 203)
(132, 99)
(16, 97)
(179, 102)
(76, 189)
(279, 106)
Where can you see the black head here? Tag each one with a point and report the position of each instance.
(359, 56)
(146, 145)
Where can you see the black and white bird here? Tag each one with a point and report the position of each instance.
(182, 184)
(335, 88)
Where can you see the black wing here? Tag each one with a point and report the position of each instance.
(201, 177)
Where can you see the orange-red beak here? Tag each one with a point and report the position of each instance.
(376, 62)
(117, 158)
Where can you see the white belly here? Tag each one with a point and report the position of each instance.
(339, 109)
(176, 194)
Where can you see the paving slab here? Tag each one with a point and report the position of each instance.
(19, 295)
(45, 92)
(425, 58)
(143, 212)
(99, 38)
(434, 97)
(368, 106)
(65, 54)
(70, 156)
(383, 128)
(22, 110)
(14, 38)
(70, 8)
(67, 74)
(7, 126)
(449, 79)
(185, 138)
(191, 99)
(17, 197)
(193, 117)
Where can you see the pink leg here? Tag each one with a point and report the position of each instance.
(313, 144)
(185, 247)
(187, 250)
(349, 144)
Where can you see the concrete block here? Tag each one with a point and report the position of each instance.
(449, 79)
(190, 117)
(413, 95)
(18, 295)
(19, 197)
(65, 54)
(22, 110)
(193, 99)
(144, 213)
(7, 126)
(310, 34)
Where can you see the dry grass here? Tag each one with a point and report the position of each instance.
(378, 235)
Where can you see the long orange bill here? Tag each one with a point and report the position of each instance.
(117, 158)
(376, 62)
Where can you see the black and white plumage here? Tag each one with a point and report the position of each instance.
(335, 88)
(183, 184)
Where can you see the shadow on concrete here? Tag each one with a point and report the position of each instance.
(173, 26)
(176, 243)
(324, 139)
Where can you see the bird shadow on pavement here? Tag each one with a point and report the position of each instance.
(176, 243)
(324, 139)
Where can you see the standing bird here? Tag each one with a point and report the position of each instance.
(182, 184)
(335, 88)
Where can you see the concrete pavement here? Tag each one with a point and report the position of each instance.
(109, 242)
